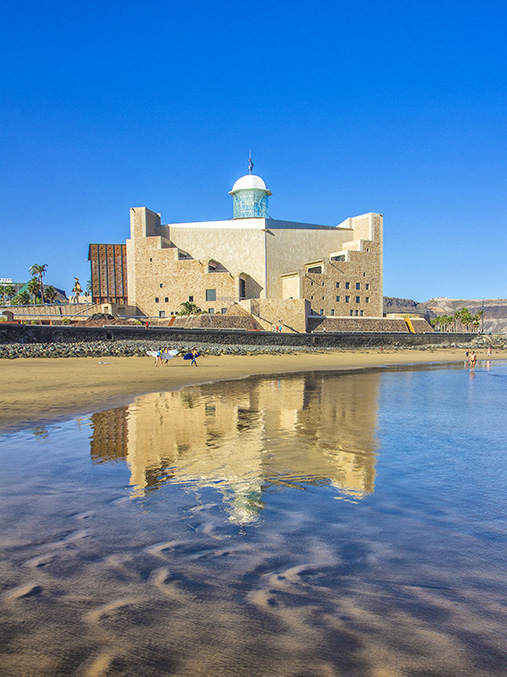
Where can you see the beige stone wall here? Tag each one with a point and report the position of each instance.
(292, 313)
(373, 324)
(288, 249)
(159, 279)
(240, 248)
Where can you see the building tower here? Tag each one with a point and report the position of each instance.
(250, 197)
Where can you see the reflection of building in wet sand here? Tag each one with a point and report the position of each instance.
(241, 436)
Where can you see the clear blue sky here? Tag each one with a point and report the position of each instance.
(348, 107)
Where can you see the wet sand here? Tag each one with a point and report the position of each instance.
(34, 391)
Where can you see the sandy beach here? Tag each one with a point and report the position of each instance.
(36, 391)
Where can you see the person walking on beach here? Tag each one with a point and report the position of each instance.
(473, 361)
(489, 351)
(195, 355)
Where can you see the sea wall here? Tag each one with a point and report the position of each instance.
(51, 341)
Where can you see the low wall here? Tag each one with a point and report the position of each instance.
(30, 334)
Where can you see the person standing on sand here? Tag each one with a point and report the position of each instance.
(195, 354)
(473, 361)
(489, 351)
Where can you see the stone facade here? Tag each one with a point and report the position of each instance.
(287, 271)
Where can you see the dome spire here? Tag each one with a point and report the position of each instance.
(250, 196)
(250, 163)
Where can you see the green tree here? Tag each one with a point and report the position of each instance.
(33, 288)
(189, 308)
(50, 293)
(88, 288)
(21, 299)
(39, 270)
(9, 291)
(2, 293)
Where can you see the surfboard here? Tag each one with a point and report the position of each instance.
(188, 356)
(152, 353)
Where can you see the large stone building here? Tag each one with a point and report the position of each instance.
(275, 270)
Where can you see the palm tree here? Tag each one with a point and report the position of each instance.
(9, 291)
(50, 293)
(39, 270)
(88, 288)
(21, 299)
(33, 288)
(189, 308)
(2, 293)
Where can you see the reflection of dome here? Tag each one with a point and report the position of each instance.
(249, 182)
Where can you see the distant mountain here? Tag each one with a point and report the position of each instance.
(495, 310)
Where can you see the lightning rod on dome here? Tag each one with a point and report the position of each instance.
(250, 163)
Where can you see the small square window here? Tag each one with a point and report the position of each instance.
(223, 310)
(161, 313)
(337, 299)
(151, 259)
(211, 311)
(361, 312)
(347, 299)
(356, 313)
(323, 298)
(347, 285)
(311, 298)
(211, 294)
(358, 299)
(351, 313)
(358, 285)
(156, 299)
(364, 274)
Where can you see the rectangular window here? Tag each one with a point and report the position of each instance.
(356, 313)
(361, 313)
(211, 311)
(351, 313)
(347, 299)
(322, 311)
(156, 299)
(337, 299)
(211, 294)
(223, 310)
(161, 285)
(166, 300)
(315, 269)
(161, 313)
(191, 299)
(364, 274)
(367, 286)
(367, 299)
(358, 285)
(347, 285)
(358, 299)
(332, 311)
(337, 285)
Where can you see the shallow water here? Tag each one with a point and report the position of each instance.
(316, 524)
